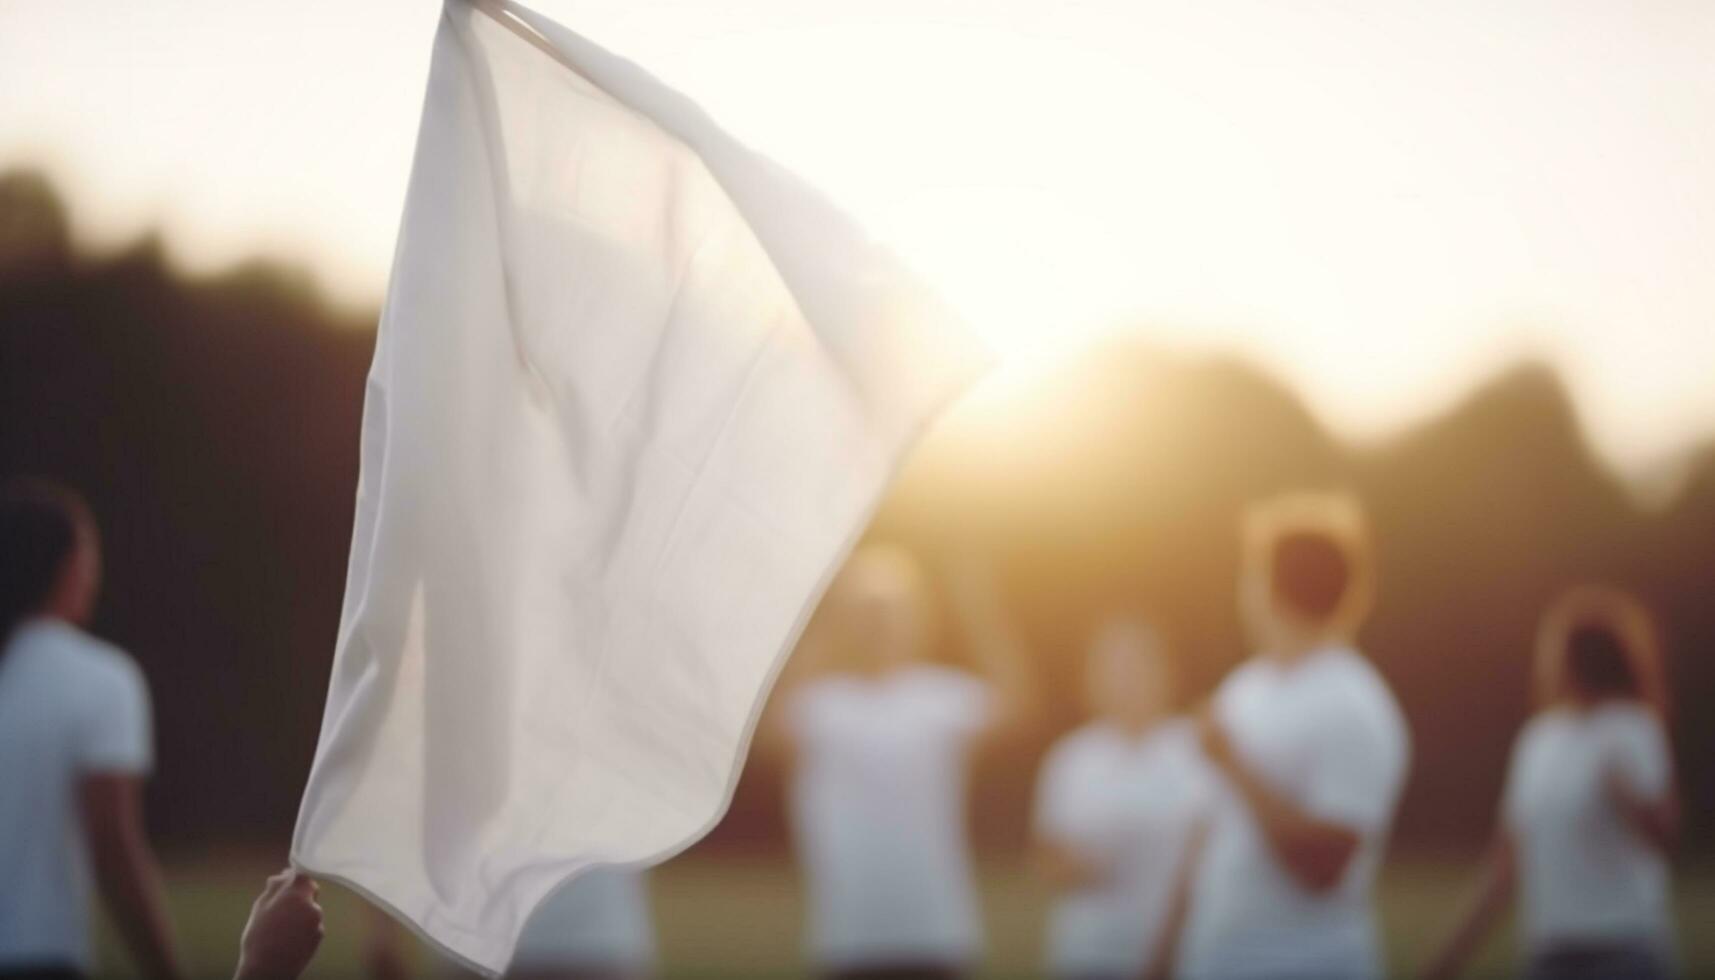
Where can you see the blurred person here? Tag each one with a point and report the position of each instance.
(75, 746)
(1118, 805)
(1590, 811)
(881, 742)
(597, 927)
(283, 931)
(1311, 752)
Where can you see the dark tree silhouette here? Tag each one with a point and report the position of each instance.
(214, 425)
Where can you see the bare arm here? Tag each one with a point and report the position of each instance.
(1314, 851)
(1484, 908)
(1166, 958)
(126, 871)
(1062, 867)
(996, 645)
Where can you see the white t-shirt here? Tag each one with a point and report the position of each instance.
(878, 805)
(70, 706)
(1324, 732)
(1127, 805)
(599, 921)
(1587, 876)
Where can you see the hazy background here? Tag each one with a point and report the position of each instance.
(1381, 202)
(215, 422)
(1458, 260)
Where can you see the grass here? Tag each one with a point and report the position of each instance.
(733, 917)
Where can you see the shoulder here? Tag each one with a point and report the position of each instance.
(933, 680)
(1243, 679)
(84, 662)
(819, 705)
(1540, 730)
(820, 691)
(109, 672)
(1350, 693)
(1251, 670)
(104, 659)
(1630, 723)
(1347, 678)
(1544, 724)
(1178, 736)
(1069, 749)
(1627, 716)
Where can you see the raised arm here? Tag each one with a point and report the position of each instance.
(996, 645)
(1313, 850)
(1482, 910)
(284, 929)
(126, 871)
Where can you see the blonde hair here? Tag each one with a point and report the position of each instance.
(1612, 609)
(1337, 515)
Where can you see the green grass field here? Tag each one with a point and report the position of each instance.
(731, 917)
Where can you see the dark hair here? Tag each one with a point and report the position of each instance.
(1310, 573)
(1597, 662)
(39, 522)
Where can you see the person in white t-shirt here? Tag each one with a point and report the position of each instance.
(1118, 806)
(598, 927)
(1311, 752)
(74, 749)
(880, 743)
(1590, 810)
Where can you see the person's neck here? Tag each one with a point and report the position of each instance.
(879, 670)
(1134, 726)
(1583, 704)
(48, 612)
(1295, 649)
(61, 611)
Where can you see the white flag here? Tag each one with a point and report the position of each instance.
(635, 393)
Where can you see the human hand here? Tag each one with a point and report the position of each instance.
(284, 929)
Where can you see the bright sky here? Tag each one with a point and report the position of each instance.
(1384, 201)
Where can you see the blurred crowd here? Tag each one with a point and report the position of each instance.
(1240, 837)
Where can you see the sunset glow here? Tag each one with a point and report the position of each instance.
(1386, 203)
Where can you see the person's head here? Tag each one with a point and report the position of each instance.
(882, 609)
(50, 556)
(1128, 678)
(1307, 573)
(1599, 644)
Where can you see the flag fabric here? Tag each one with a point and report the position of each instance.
(635, 392)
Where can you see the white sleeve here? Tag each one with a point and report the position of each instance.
(1357, 769)
(964, 704)
(117, 730)
(1199, 773)
(1053, 817)
(1641, 757)
(1512, 795)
